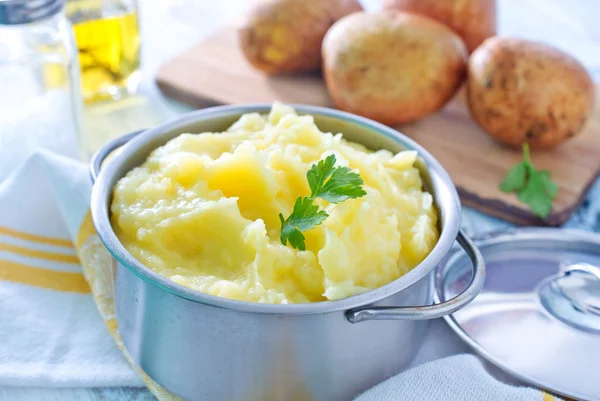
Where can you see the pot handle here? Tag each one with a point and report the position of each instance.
(107, 149)
(430, 311)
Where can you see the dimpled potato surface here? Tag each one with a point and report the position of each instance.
(203, 212)
(473, 20)
(284, 36)
(521, 91)
(392, 67)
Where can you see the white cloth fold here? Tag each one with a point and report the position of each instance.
(460, 377)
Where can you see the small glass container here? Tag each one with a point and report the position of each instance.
(40, 100)
(107, 35)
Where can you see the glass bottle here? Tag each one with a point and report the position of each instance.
(40, 100)
(107, 35)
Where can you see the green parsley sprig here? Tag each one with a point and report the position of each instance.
(533, 187)
(333, 184)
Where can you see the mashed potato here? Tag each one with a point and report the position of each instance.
(203, 212)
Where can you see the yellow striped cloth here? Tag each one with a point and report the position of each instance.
(55, 276)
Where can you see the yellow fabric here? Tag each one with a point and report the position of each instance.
(97, 278)
(14, 266)
(44, 278)
(35, 238)
(34, 253)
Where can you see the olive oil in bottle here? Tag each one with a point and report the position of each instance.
(108, 40)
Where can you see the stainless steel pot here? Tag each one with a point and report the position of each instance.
(203, 347)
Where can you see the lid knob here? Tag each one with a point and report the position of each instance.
(573, 296)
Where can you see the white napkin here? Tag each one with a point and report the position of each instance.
(54, 314)
(50, 330)
(460, 377)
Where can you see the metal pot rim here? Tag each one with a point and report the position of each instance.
(447, 202)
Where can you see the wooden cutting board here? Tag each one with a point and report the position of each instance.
(215, 72)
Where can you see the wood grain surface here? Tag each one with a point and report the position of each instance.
(215, 72)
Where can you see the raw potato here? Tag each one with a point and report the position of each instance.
(521, 91)
(473, 20)
(392, 67)
(285, 36)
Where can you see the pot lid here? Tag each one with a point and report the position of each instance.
(538, 314)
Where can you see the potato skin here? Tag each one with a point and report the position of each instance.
(473, 20)
(392, 67)
(285, 36)
(521, 91)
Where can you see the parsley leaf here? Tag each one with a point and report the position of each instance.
(550, 186)
(515, 178)
(304, 217)
(333, 184)
(343, 184)
(318, 173)
(533, 187)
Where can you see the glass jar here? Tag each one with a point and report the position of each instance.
(40, 100)
(107, 35)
